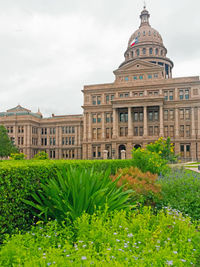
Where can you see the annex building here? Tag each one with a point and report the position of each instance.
(143, 103)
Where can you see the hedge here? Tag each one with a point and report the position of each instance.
(18, 179)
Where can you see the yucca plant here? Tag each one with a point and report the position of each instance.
(74, 191)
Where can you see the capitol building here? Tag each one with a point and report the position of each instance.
(143, 103)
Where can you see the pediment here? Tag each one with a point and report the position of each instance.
(137, 65)
(18, 108)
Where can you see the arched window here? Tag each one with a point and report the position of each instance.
(161, 52)
(144, 51)
(132, 54)
(138, 52)
(139, 34)
(143, 33)
(149, 33)
(150, 51)
(156, 51)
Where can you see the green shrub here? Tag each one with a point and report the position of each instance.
(19, 179)
(41, 155)
(164, 148)
(75, 191)
(148, 161)
(104, 239)
(145, 188)
(17, 156)
(181, 190)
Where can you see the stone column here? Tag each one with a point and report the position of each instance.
(176, 123)
(193, 123)
(115, 123)
(198, 122)
(89, 126)
(84, 126)
(103, 125)
(161, 121)
(130, 125)
(145, 120)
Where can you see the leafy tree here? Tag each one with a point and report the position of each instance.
(6, 145)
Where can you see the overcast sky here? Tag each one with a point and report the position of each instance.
(50, 49)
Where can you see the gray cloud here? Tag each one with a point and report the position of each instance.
(50, 49)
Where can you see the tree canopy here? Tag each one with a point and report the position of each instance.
(6, 145)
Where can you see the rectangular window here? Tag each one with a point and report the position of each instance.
(107, 99)
(122, 131)
(156, 115)
(126, 131)
(150, 116)
(94, 100)
(187, 94)
(73, 129)
(70, 129)
(149, 76)
(126, 94)
(166, 131)
(171, 114)
(141, 116)
(150, 130)
(99, 133)
(94, 152)
(94, 133)
(141, 94)
(171, 95)
(66, 141)
(165, 95)
(54, 141)
(188, 151)
(156, 133)
(121, 95)
(98, 100)
(134, 77)
(141, 77)
(135, 131)
(63, 140)
(171, 131)
(187, 130)
(141, 131)
(181, 114)
(94, 119)
(187, 114)
(112, 97)
(180, 94)
(98, 118)
(107, 117)
(155, 75)
(182, 150)
(99, 151)
(107, 133)
(126, 78)
(135, 116)
(182, 130)
(70, 142)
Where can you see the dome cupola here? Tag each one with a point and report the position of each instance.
(146, 43)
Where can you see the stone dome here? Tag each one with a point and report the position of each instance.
(146, 34)
(146, 44)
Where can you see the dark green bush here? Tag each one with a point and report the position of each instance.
(19, 179)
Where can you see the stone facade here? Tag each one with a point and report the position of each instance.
(143, 103)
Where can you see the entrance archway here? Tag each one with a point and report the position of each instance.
(121, 147)
(137, 146)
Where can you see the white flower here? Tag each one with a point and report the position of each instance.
(169, 262)
(114, 233)
(83, 258)
(130, 235)
(175, 252)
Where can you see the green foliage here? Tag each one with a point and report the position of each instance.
(19, 179)
(17, 156)
(104, 239)
(41, 155)
(181, 190)
(146, 190)
(164, 148)
(75, 191)
(148, 161)
(6, 146)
